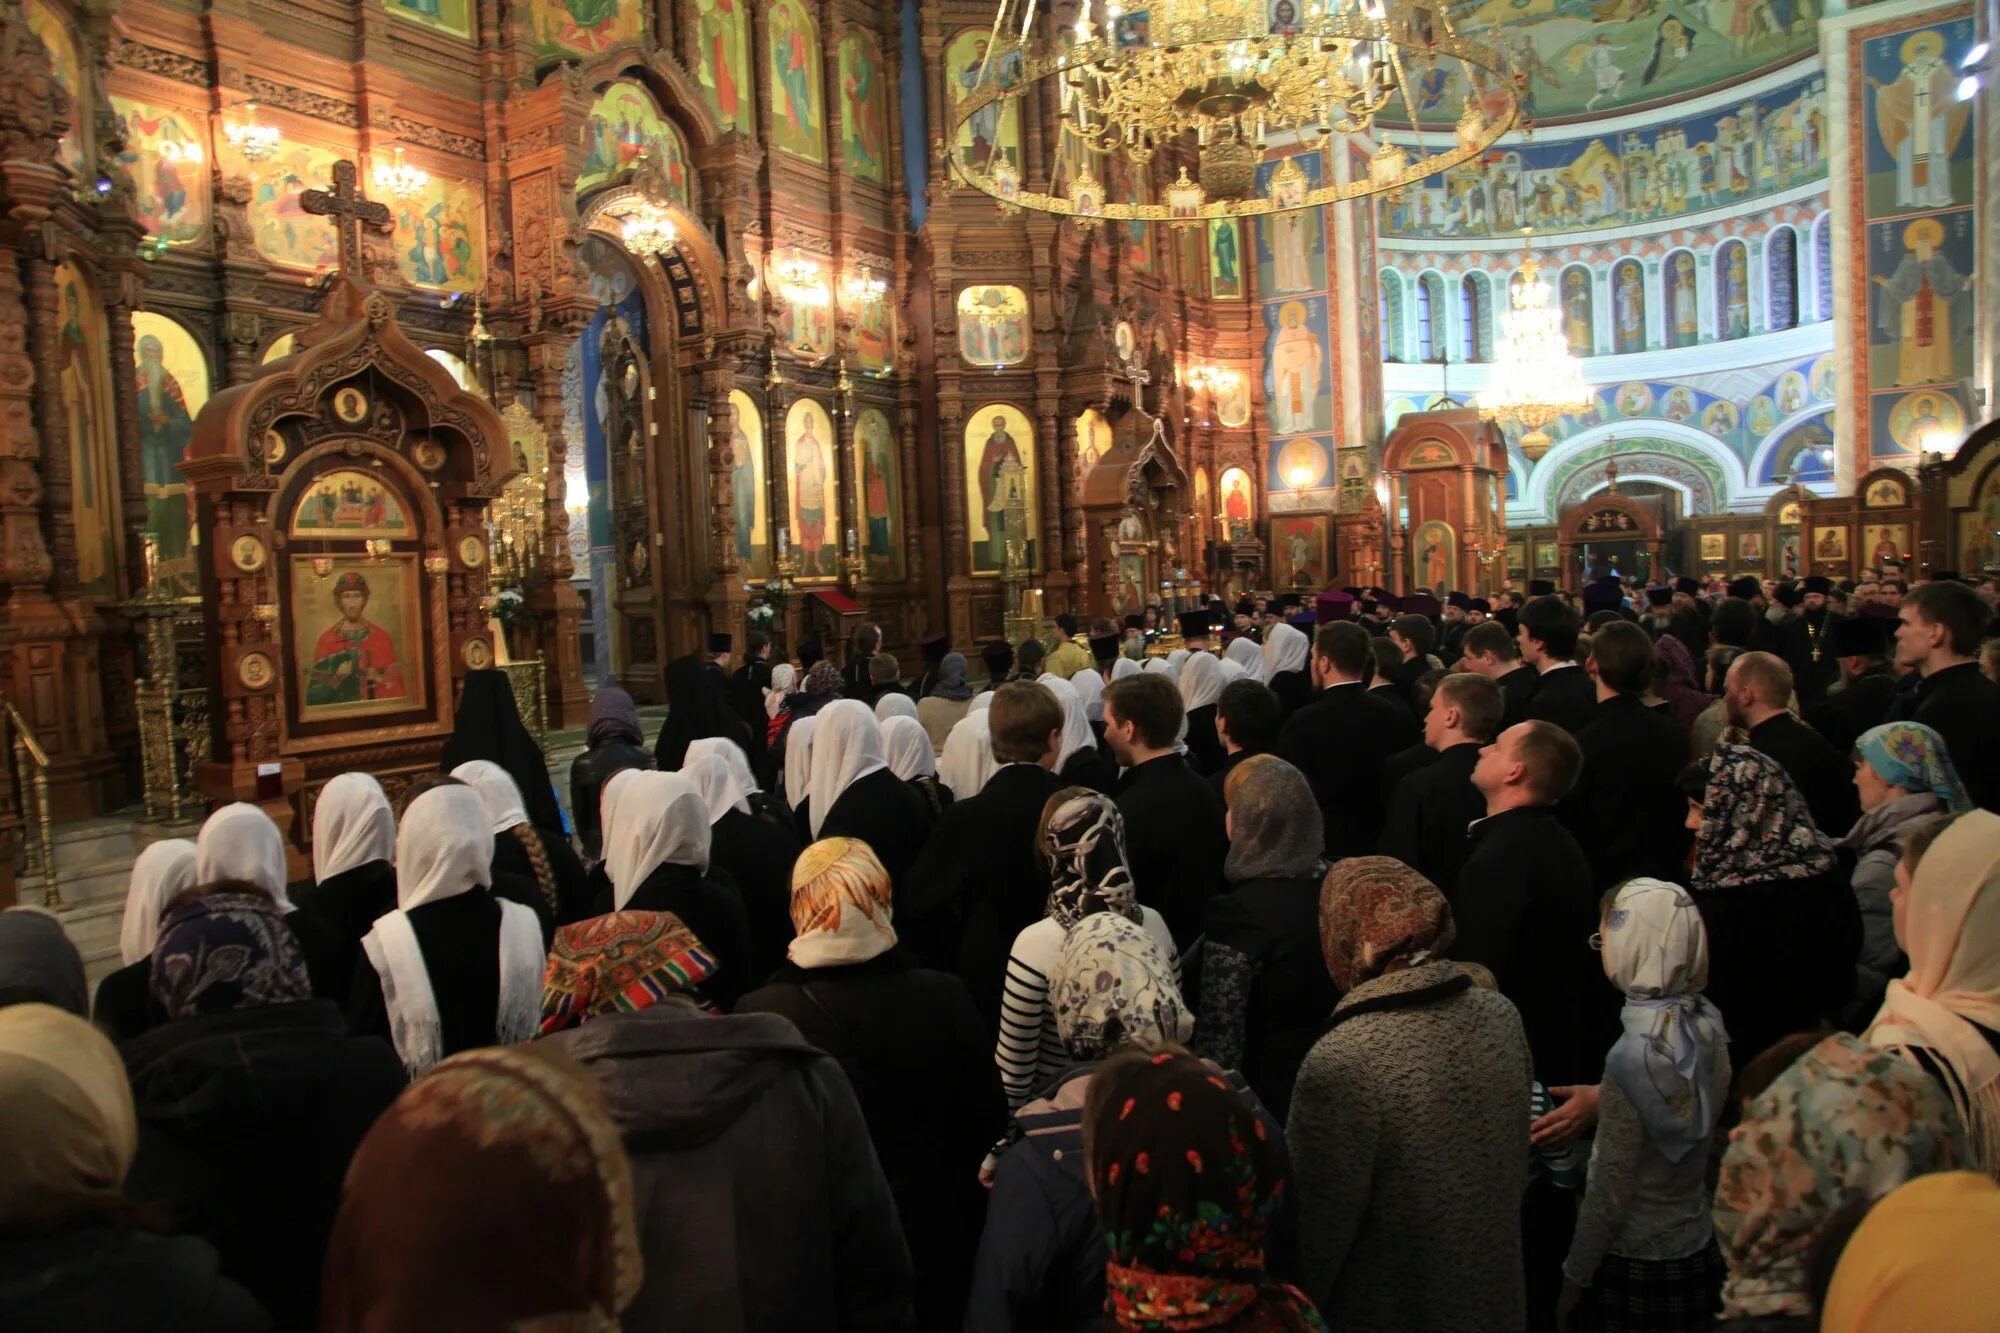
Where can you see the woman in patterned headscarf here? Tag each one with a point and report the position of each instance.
(1082, 839)
(1783, 928)
(1906, 782)
(1844, 1124)
(249, 1081)
(1189, 1180)
(1406, 1131)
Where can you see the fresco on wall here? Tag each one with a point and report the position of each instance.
(814, 479)
(881, 496)
(864, 107)
(1291, 247)
(1297, 374)
(805, 321)
(1932, 419)
(999, 455)
(1134, 236)
(584, 27)
(1576, 311)
(798, 108)
(993, 325)
(749, 496)
(172, 386)
(1732, 290)
(54, 32)
(1920, 140)
(1678, 295)
(1573, 60)
(623, 124)
(1761, 145)
(874, 334)
(1628, 306)
(283, 231)
(722, 61)
(994, 131)
(1225, 260)
(1302, 464)
(163, 155)
(1801, 456)
(83, 361)
(440, 236)
(452, 16)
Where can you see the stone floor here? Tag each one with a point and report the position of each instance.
(94, 858)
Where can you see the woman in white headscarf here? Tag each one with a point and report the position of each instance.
(1080, 762)
(354, 864)
(906, 748)
(1089, 687)
(967, 761)
(1162, 664)
(980, 702)
(854, 795)
(798, 763)
(530, 865)
(1245, 653)
(894, 703)
(784, 679)
(125, 1006)
(239, 844)
(1126, 666)
(1288, 666)
(1202, 682)
(657, 852)
(751, 844)
(453, 967)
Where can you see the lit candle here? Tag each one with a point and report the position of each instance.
(784, 542)
(851, 542)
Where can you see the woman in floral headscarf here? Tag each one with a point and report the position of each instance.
(1783, 929)
(1082, 839)
(1845, 1123)
(1906, 782)
(1189, 1181)
(1407, 1131)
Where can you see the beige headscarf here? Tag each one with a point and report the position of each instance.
(1951, 931)
(840, 905)
(67, 1105)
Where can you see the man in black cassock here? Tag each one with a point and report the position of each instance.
(1755, 692)
(934, 647)
(1175, 838)
(1431, 809)
(1942, 623)
(1490, 650)
(1563, 694)
(1861, 698)
(1626, 812)
(1813, 668)
(1341, 740)
(749, 681)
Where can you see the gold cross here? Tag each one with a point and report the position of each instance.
(349, 208)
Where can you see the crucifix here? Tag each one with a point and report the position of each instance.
(349, 208)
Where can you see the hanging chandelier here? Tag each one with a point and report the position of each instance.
(1535, 377)
(1224, 77)
(648, 232)
(254, 140)
(398, 178)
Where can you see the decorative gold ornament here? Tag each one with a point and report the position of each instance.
(1535, 378)
(471, 552)
(436, 564)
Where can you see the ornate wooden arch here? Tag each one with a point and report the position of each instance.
(1611, 517)
(1950, 490)
(1448, 467)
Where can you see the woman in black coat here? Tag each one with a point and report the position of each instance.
(530, 865)
(915, 1050)
(852, 794)
(615, 742)
(751, 844)
(354, 867)
(487, 725)
(906, 748)
(657, 855)
(251, 1098)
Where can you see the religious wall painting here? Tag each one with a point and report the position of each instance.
(1298, 553)
(1920, 318)
(722, 63)
(1291, 246)
(1548, 556)
(1763, 416)
(83, 359)
(881, 496)
(1353, 496)
(1714, 547)
(992, 134)
(1575, 299)
(1301, 464)
(1887, 544)
(814, 481)
(440, 236)
(1790, 564)
(624, 125)
(1225, 260)
(1829, 546)
(55, 33)
(1750, 548)
(1434, 556)
(1517, 559)
(798, 105)
(350, 503)
(282, 230)
(864, 107)
(452, 16)
(1886, 493)
(1235, 502)
(1802, 456)
(357, 636)
(1920, 153)
(1628, 306)
(1921, 421)
(749, 495)
(1978, 544)
(1000, 477)
(1792, 393)
(1134, 237)
(805, 316)
(1297, 377)
(1732, 290)
(874, 334)
(584, 27)
(164, 156)
(607, 270)
(1093, 442)
(993, 325)
(173, 383)
(1677, 285)
(1232, 399)
(1634, 398)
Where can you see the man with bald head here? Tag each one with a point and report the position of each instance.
(1757, 693)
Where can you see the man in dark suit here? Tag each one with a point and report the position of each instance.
(1490, 651)
(1689, 621)
(1412, 635)
(1431, 809)
(1626, 813)
(1340, 740)
(1755, 692)
(1564, 694)
(1247, 717)
(1175, 837)
(980, 879)
(1867, 687)
(748, 683)
(1942, 623)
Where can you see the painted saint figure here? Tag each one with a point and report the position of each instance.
(1915, 313)
(1296, 359)
(743, 489)
(1920, 120)
(164, 428)
(809, 476)
(1629, 310)
(1291, 250)
(354, 660)
(876, 499)
(999, 451)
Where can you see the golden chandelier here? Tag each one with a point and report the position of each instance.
(1535, 378)
(1137, 76)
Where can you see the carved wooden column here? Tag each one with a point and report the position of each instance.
(727, 598)
(557, 607)
(1049, 456)
(1394, 580)
(52, 419)
(906, 433)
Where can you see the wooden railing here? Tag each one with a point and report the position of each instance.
(30, 773)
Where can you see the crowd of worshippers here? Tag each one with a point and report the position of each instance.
(1360, 966)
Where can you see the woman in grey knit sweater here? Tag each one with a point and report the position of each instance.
(1408, 1128)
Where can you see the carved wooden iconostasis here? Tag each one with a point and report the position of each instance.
(1960, 517)
(1134, 516)
(1447, 470)
(342, 497)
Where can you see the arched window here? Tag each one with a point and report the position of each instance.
(1426, 337)
(1390, 284)
(1781, 264)
(1822, 245)
(1475, 317)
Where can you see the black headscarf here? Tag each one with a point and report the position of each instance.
(488, 726)
(38, 964)
(614, 717)
(696, 710)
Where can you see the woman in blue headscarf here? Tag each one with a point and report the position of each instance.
(1906, 781)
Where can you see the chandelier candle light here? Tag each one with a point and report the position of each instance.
(1534, 378)
(1225, 77)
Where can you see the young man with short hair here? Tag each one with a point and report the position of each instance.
(1341, 740)
(1626, 813)
(1175, 838)
(854, 676)
(1247, 717)
(1070, 655)
(1942, 625)
(1430, 810)
(1563, 692)
(1489, 650)
(1757, 692)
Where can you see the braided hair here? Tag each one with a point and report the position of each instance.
(538, 857)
